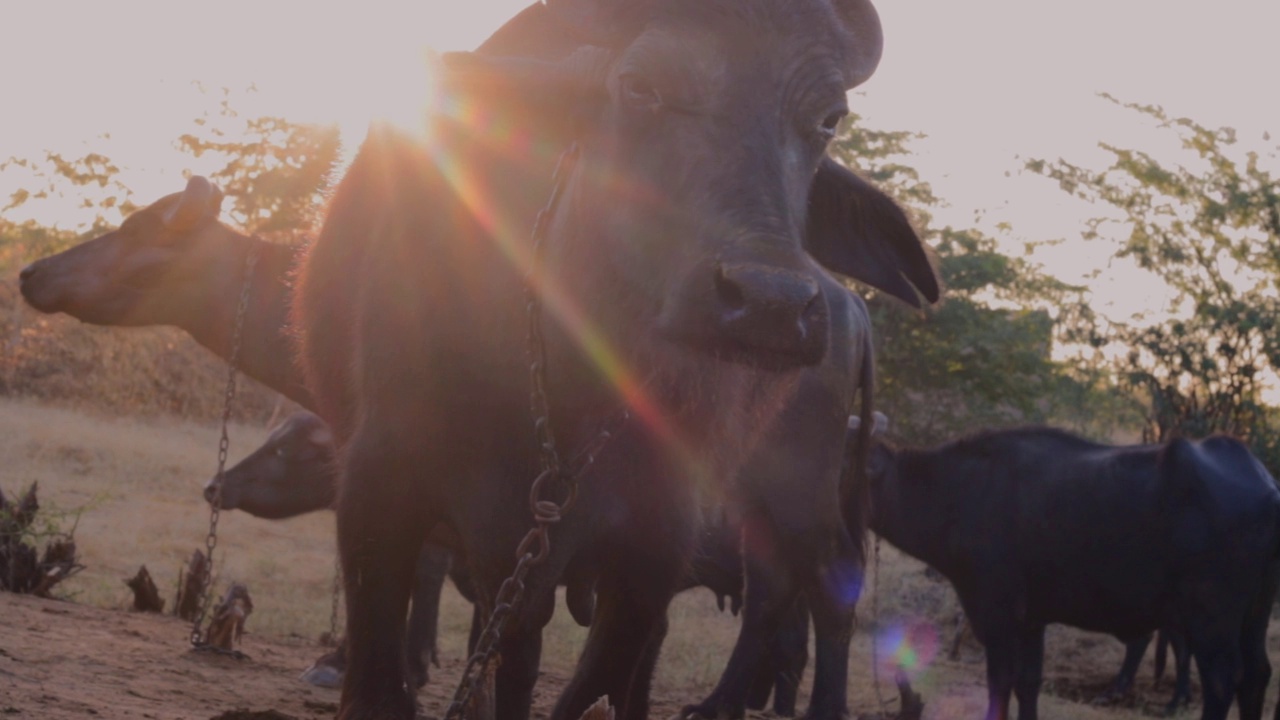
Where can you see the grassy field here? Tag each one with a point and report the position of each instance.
(136, 486)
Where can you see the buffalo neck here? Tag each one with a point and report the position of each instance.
(266, 348)
(909, 512)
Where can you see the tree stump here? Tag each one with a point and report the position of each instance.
(227, 625)
(146, 598)
(191, 584)
(600, 711)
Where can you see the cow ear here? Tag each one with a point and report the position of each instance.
(199, 200)
(858, 231)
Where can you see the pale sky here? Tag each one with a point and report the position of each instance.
(986, 80)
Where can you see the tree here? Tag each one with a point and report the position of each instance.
(276, 172)
(91, 179)
(982, 357)
(1209, 227)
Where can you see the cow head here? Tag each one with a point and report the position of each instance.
(148, 272)
(291, 474)
(702, 203)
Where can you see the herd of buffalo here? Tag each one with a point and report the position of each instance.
(691, 269)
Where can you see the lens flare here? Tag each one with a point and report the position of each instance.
(511, 239)
(911, 645)
(846, 582)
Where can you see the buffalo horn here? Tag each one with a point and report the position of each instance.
(881, 423)
(862, 22)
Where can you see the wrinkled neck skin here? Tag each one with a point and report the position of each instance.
(917, 525)
(266, 349)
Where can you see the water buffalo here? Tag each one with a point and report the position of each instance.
(682, 277)
(174, 263)
(1036, 526)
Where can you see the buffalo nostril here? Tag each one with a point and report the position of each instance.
(210, 493)
(26, 273)
(729, 291)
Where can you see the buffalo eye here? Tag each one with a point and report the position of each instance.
(827, 128)
(637, 92)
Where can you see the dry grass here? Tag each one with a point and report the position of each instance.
(150, 372)
(140, 482)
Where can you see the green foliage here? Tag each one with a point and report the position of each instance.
(92, 179)
(275, 173)
(20, 242)
(982, 357)
(1208, 227)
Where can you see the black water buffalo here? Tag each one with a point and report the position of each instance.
(680, 277)
(1036, 526)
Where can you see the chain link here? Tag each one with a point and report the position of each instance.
(875, 624)
(336, 600)
(224, 443)
(536, 544)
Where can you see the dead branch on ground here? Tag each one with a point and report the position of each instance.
(227, 625)
(146, 598)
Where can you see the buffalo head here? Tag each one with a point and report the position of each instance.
(291, 474)
(702, 203)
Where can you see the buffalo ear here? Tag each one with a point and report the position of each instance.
(858, 231)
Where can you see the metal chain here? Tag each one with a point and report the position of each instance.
(337, 598)
(536, 545)
(215, 505)
(875, 624)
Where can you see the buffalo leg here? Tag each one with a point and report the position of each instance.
(1255, 671)
(1219, 665)
(783, 666)
(424, 617)
(1182, 670)
(762, 686)
(521, 650)
(1002, 669)
(770, 590)
(1030, 671)
(626, 635)
(832, 600)
(790, 654)
(379, 537)
(1134, 650)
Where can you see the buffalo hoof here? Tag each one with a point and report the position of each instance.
(324, 672)
(418, 674)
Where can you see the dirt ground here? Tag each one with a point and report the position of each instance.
(136, 486)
